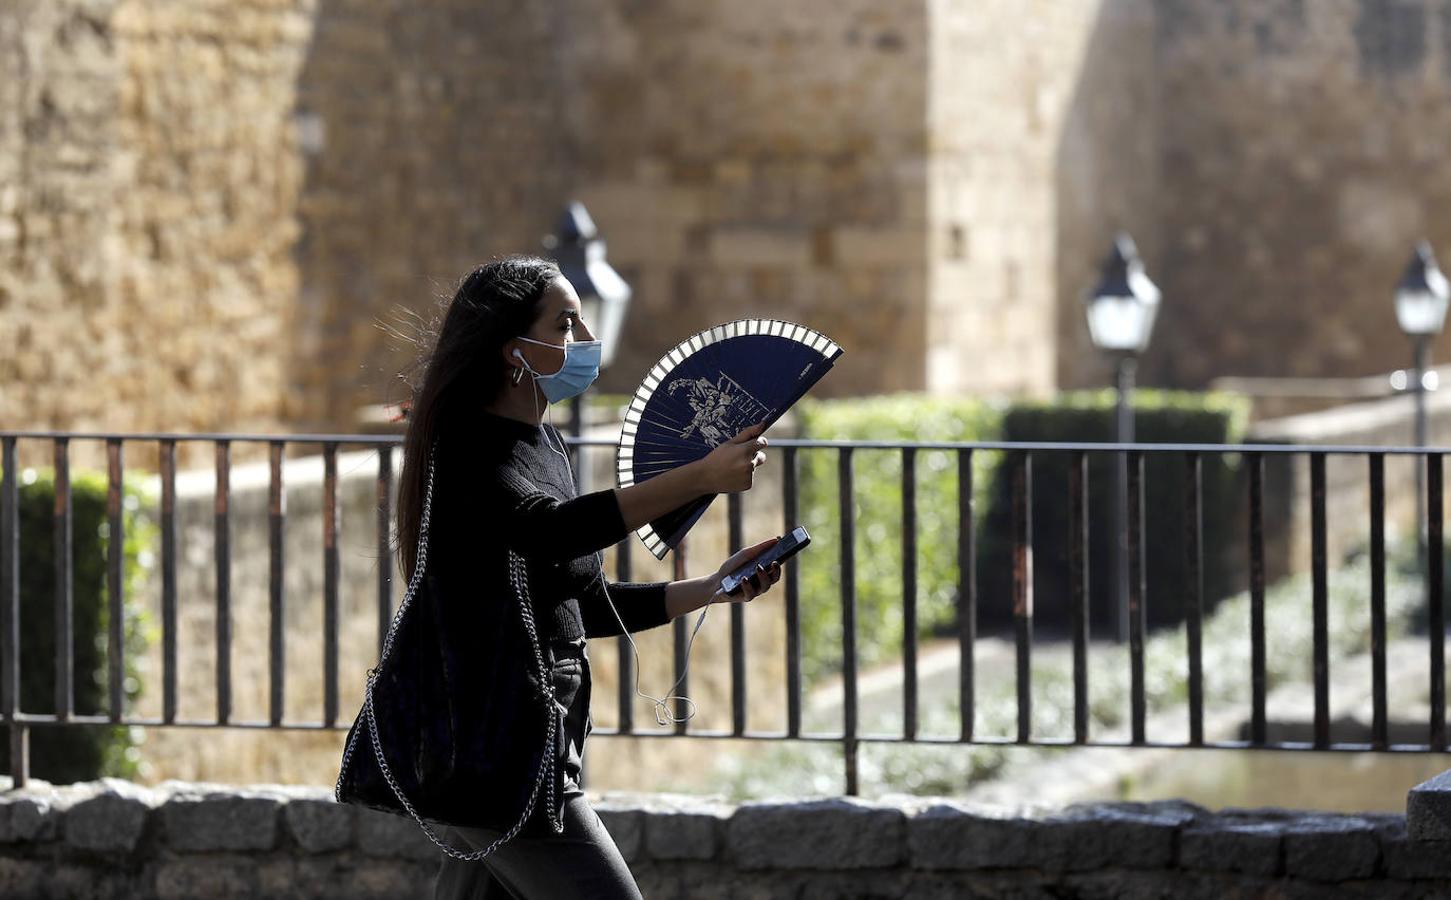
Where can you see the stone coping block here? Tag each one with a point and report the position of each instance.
(1331, 847)
(200, 818)
(1428, 809)
(1081, 838)
(108, 816)
(1230, 844)
(1405, 859)
(680, 826)
(843, 833)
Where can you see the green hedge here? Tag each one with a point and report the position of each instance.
(1079, 417)
(62, 755)
(877, 478)
(1159, 417)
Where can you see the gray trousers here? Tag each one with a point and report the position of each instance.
(536, 863)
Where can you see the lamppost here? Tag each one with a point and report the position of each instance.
(603, 298)
(1121, 312)
(1421, 299)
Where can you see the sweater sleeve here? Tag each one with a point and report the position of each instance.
(641, 606)
(547, 529)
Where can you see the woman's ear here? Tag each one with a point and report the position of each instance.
(513, 358)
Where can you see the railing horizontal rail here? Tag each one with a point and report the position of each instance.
(89, 721)
(1032, 446)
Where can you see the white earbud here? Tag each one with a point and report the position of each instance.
(517, 354)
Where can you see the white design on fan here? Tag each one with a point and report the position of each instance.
(721, 409)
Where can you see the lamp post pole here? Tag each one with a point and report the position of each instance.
(1126, 365)
(1121, 310)
(1423, 353)
(1421, 298)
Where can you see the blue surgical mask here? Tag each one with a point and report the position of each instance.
(581, 368)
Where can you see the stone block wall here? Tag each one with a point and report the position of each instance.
(148, 185)
(213, 215)
(741, 158)
(181, 840)
(1296, 159)
(1036, 149)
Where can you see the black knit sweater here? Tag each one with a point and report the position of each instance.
(500, 485)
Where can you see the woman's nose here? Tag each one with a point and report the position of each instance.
(585, 333)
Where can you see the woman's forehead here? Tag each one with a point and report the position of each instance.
(561, 294)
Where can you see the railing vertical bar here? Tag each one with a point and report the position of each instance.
(789, 504)
(223, 553)
(1435, 599)
(115, 581)
(625, 692)
(385, 547)
(10, 610)
(330, 583)
(64, 584)
(1194, 590)
(1320, 612)
(909, 594)
(966, 596)
(1256, 465)
(1137, 590)
(276, 568)
(168, 581)
(738, 626)
(682, 638)
(1379, 729)
(1078, 588)
(846, 516)
(1023, 588)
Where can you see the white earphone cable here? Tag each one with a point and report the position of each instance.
(663, 714)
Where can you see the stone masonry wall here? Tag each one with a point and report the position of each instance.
(741, 158)
(147, 212)
(58, 135)
(1299, 158)
(212, 213)
(1029, 156)
(111, 838)
(760, 158)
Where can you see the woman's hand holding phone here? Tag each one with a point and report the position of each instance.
(757, 584)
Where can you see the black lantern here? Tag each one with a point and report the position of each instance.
(1122, 309)
(603, 298)
(603, 294)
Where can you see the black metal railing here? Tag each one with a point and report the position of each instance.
(1018, 457)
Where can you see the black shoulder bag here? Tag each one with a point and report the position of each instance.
(424, 744)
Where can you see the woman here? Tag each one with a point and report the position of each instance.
(510, 343)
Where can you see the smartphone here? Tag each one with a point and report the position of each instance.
(780, 551)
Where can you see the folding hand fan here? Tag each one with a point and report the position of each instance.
(703, 392)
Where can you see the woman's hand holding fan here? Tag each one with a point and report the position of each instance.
(731, 467)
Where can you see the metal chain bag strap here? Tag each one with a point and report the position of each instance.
(358, 782)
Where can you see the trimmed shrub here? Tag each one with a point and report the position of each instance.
(1077, 417)
(1160, 417)
(67, 754)
(877, 476)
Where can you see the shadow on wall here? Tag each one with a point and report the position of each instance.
(1107, 174)
(428, 140)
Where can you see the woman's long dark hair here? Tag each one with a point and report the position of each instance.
(463, 370)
